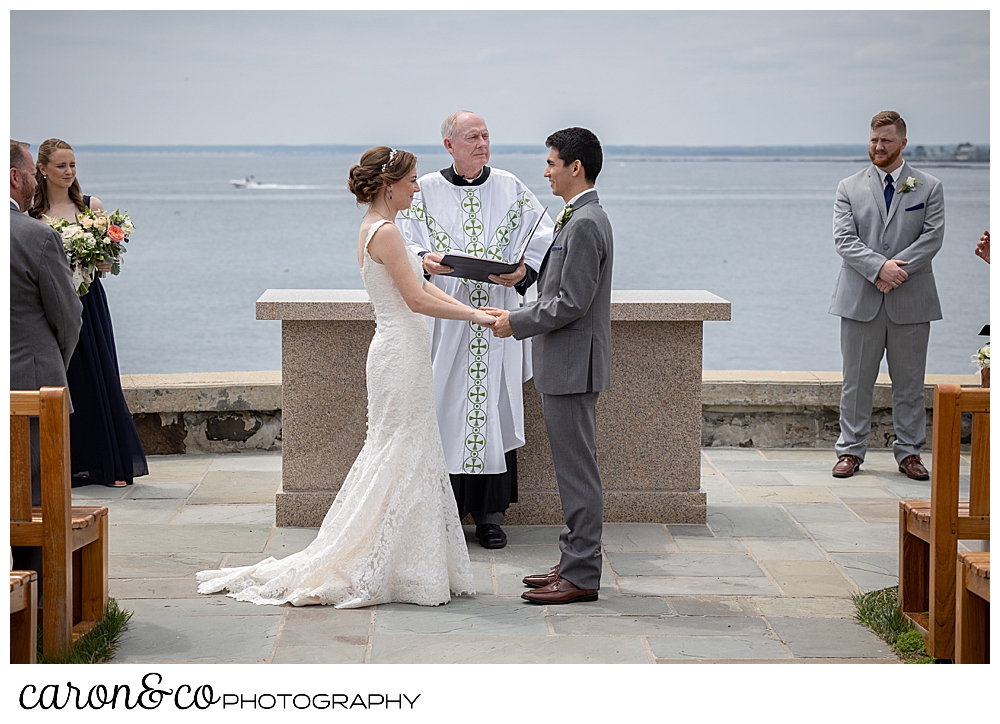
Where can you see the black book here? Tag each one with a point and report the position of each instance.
(477, 269)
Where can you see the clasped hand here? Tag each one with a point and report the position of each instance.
(891, 275)
(483, 319)
(501, 321)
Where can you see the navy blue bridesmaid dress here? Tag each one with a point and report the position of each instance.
(104, 442)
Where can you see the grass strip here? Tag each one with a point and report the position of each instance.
(100, 644)
(880, 612)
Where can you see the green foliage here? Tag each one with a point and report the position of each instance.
(880, 612)
(910, 642)
(98, 645)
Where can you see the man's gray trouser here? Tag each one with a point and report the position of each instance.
(862, 345)
(572, 428)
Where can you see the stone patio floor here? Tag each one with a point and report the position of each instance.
(768, 579)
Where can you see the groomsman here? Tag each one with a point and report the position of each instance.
(45, 312)
(888, 223)
(45, 315)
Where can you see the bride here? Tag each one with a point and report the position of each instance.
(392, 533)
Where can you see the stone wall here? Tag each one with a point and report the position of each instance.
(211, 412)
(231, 411)
(774, 409)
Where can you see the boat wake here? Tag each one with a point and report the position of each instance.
(250, 183)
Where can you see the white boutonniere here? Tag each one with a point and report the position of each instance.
(564, 216)
(909, 185)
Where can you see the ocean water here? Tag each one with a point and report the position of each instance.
(755, 231)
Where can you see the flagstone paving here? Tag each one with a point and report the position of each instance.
(768, 579)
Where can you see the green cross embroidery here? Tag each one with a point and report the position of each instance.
(478, 394)
(476, 418)
(477, 370)
(479, 346)
(502, 235)
(473, 227)
(471, 204)
(441, 240)
(473, 466)
(475, 442)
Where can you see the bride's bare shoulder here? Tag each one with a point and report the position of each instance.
(378, 237)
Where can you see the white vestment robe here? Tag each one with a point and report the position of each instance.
(478, 377)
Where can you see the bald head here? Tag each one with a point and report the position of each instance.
(467, 139)
(450, 124)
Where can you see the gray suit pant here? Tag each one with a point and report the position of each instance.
(905, 348)
(572, 428)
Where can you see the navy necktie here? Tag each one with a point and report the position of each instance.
(890, 191)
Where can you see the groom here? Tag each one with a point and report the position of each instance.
(571, 355)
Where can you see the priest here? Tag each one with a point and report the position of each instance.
(486, 212)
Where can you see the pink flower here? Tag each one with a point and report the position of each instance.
(115, 233)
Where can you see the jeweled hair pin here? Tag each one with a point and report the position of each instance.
(387, 164)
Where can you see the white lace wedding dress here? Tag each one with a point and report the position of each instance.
(393, 532)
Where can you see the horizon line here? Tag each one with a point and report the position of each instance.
(835, 149)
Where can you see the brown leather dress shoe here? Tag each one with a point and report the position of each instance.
(537, 580)
(559, 591)
(846, 466)
(913, 468)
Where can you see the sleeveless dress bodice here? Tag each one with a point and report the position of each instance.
(400, 349)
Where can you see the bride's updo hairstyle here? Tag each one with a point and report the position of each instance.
(378, 167)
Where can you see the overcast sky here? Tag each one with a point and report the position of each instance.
(644, 78)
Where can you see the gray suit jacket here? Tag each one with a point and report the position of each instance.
(571, 320)
(45, 313)
(866, 234)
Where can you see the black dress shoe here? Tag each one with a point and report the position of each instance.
(491, 535)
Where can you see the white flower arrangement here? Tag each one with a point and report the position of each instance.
(981, 359)
(909, 185)
(94, 237)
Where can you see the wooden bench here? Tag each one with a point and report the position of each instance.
(929, 530)
(74, 540)
(972, 608)
(23, 617)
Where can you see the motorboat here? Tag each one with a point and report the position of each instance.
(245, 183)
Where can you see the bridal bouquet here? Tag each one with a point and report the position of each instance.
(95, 236)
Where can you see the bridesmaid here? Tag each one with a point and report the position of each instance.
(105, 445)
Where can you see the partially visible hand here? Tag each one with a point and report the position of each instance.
(483, 319)
(501, 327)
(892, 272)
(883, 286)
(103, 266)
(509, 280)
(432, 263)
(983, 247)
